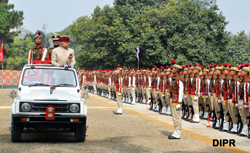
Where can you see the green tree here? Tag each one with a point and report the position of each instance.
(9, 19)
(28, 44)
(17, 56)
(186, 30)
(239, 48)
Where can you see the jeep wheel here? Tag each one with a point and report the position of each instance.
(16, 133)
(80, 133)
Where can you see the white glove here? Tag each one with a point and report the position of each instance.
(219, 101)
(195, 98)
(133, 88)
(148, 88)
(119, 93)
(185, 96)
(178, 106)
(163, 95)
(206, 96)
(236, 105)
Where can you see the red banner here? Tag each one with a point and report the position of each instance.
(1, 53)
(9, 77)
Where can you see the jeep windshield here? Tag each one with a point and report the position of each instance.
(49, 77)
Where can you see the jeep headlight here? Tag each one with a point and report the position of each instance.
(26, 107)
(74, 108)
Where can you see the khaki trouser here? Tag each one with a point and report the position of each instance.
(176, 116)
(144, 93)
(189, 101)
(232, 111)
(109, 90)
(244, 112)
(211, 101)
(138, 92)
(124, 91)
(195, 106)
(153, 95)
(129, 92)
(163, 100)
(225, 108)
(133, 92)
(205, 102)
(216, 107)
(119, 100)
(148, 93)
(200, 103)
(167, 98)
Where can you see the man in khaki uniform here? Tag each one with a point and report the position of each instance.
(243, 99)
(233, 98)
(119, 85)
(56, 43)
(196, 81)
(61, 56)
(176, 92)
(37, 52)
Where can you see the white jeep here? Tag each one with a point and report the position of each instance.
(48, 98)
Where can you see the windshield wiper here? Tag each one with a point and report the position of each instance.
(63, 85)
(38, 84)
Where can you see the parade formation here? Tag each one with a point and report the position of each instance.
(219, 93)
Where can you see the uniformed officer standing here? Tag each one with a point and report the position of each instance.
(37, 52)
(119, 85)
(176, 92)
(56, 43)
(243, 99)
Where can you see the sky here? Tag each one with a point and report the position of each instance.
(58, 14)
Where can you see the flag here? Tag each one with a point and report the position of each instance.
(52, 89)
(1, 53)
(138, 51)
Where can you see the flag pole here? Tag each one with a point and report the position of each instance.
(138, 51)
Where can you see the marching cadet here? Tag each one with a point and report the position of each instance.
(225, 91)
(163, 108)
(153, 88)
(204, 94)
(94, 81)
(56, 43)
(213, 93)
(217, 103)
(119, 85)
(185, 93)
(148, 87)
(233, 98)
(196, 81)
(167, 92)
(37, 52)
(133, 86)
(189, 91)
(176, 92)
(243, 99)
(109, 84)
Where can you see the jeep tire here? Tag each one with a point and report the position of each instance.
(16, 132)
(80, 133)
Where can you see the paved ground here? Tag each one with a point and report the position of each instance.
(137, 130)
